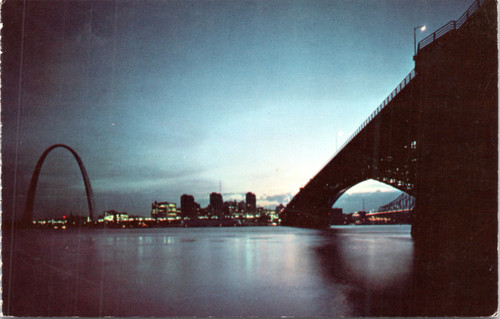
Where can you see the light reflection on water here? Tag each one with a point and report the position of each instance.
(243, 271)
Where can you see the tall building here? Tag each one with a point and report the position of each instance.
(251, 203)
(188, 208)
(165, 210)
(216, 204)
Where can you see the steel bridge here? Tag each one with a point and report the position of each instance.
(435, 137)
(397, 211)
(402, 202)
(391, 143)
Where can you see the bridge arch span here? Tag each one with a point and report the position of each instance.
(28, 210)
(372, 183)
(310, 207)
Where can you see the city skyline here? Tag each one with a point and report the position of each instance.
(175, 97)
(162, 138)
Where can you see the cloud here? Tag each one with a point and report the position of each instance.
(282, 198)
(234, 196)
(141, 177)
(370, 186)
(271, 201)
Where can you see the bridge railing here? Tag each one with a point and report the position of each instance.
(386, 101)
(452, 25)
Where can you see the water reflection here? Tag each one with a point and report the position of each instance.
(254, 271)
(374, 263)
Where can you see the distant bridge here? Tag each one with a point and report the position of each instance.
(402, 202)
(402, 216)
(398, 210)
(435, 137)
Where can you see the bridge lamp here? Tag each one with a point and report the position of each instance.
(422, 29)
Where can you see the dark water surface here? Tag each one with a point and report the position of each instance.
(241, 271)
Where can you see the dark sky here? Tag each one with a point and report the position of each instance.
(162, 98)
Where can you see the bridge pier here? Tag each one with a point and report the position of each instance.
(455, 217)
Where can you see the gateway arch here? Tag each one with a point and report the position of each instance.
(28, 210)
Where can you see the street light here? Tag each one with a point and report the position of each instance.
(422, 28)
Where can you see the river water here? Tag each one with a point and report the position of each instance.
(231, 271)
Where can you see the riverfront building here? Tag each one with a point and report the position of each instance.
(164, 210)
(114, 216)
(188, 207)
(251, 201)
(216, 205)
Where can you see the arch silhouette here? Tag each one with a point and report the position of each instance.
(28, 210)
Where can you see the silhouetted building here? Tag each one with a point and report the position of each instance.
(188, 208)
(251, 203)
(216, 204)
(164, 210)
